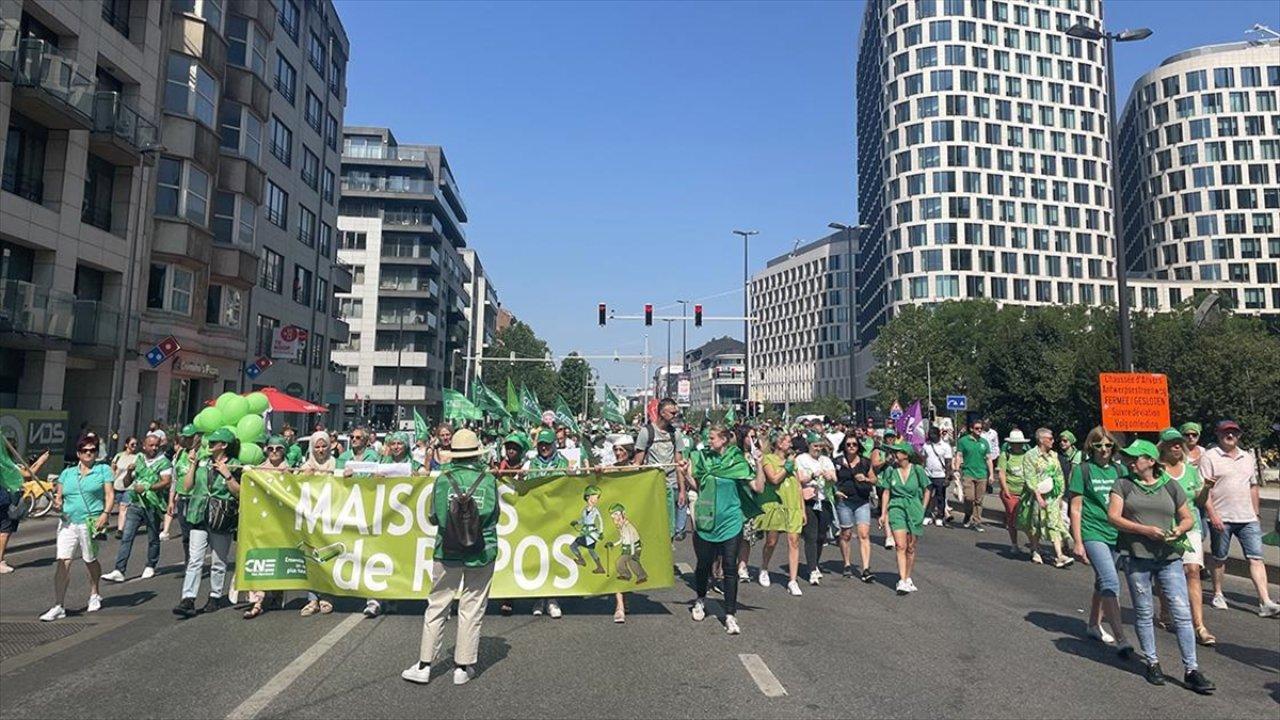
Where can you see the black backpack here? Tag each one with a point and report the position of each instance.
(462, 527)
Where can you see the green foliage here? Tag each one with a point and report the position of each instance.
(1029, 367)
(574, 374)
(829, 405)
(541, 378)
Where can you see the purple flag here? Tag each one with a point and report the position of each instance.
(910, 426)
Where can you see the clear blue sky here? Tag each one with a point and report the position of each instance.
(607, 150)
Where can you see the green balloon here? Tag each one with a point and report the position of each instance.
(208, 420)
(223, 399)
(235, 408)
(250, 429)
(258, 402)
(251, 453)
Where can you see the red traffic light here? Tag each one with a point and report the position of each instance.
(648, 313)
(602, 314)
(697, 316)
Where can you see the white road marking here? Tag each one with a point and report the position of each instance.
(764, 677)
(258, 701)
(684, 568)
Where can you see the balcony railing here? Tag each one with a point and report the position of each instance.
(8, 47)
(409, 285)
(111, 114)
(412, 218)
(389, 184)
(41, 67)
(415, 250)
(29, 308)
(409, 318)
(411, 153)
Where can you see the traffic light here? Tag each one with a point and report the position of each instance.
(697, 316)
(602, 318)
(648, 313)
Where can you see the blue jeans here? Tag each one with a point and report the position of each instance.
(136, 516)
(1250, 535)
(220, 544)
(1173, 583)
(1102, 557)
(677, 517)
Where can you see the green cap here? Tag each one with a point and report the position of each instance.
(1142, 448)
(546, 436)
(518, 439)
(223, 435)
(1170, 435)
(901, 447)
(1190, 427)
(188, 430)
(890, 432)
(1070, 436)
(589, 491)
(617, 508)
(812, 438)
(275, 440)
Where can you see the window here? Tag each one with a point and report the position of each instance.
(335, 77)
(318, 351)
(99, 187)
(116, 14)
(266, 328)
(277, 206)
(234, 218)
(314, 110)
(271, 270)
(290, 18)
(246, 45)
(189, 89)
(947, 286)
(322, 295)
(301, 285)
(281, 141)
(169, 288)
(351, 240)
(331, 132)
(241, 131)
(326, 185)
(223, 306)
(286, 78)
(316, 53)
(306, 226)
(182, 191)
(326, 239)
(310, 168)
(208, 10)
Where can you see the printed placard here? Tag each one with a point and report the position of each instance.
(1134, 402)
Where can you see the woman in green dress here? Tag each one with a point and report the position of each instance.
(1039, 515)
(905, 491)
(782, 508)
(725, 484)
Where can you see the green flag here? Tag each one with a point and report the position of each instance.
(10, 475)
(420, 429)
(513, 400)
(530, 408)
(564, 416)
(488, 402)
(731, 416)
(458, 407)
(613, 407)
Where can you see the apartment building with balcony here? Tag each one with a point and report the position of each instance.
(78, 98)
(401, 233)
(481, 313)
(716, 372)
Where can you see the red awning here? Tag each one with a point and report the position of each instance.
(283, 402)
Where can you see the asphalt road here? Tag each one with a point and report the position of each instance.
(986, 636)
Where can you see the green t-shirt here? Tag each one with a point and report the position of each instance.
(973, 456)
(1094, 499)
(145, 474)
(293, 454)
(1011, 464)
(1191, 484)
(464, 473)
(907, 494)
(540, 467)
(369, 455)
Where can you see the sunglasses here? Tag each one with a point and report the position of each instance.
(1103, 446)
(1192, 434)
(1230, 433)
(87, 450)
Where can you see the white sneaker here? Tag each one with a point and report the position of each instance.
(417, 674)
(764, 578)
(815, 577)
(1219, 602)
(148, 573)
(901, 587)
(462, 676)
(731, 625)
(372, 609)
(553, 609)
(911, 585)
(54, 613)
(888, 542)
(793, 587)
(5, 568)
(928, 521)
(1269, 609)
(744, 574)
(114, 576)
(1097, 632)
(699, 612)
(95, 603)
(538, 607)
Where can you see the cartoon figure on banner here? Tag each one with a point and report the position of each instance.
(628, 544)
(590, 528)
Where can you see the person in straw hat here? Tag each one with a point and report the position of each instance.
(1009, 475)
(467, 572)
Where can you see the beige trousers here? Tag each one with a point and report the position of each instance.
(471, 585)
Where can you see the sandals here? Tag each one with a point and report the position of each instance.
(254, 611)
(309, 609)
(1204, 637)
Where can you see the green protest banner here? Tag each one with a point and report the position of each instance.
(614, 411)
(371, 538)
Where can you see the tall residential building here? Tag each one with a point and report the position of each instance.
(1200, 177)
(982, 156)
(236, 77)
(800, 342)
(716, 372)
(78, 94)
(482, 314)
(401, 232)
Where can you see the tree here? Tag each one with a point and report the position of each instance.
(575, 374)
(829, 405)
(541, 378)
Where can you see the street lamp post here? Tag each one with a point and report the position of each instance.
(1085, 32)
(853, 323)
(746, 324)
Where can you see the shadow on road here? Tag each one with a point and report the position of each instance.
(1001, 549)
(131, 600)
(1077, 643)
(1265, 659)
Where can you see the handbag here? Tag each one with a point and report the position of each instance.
(221, 515)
